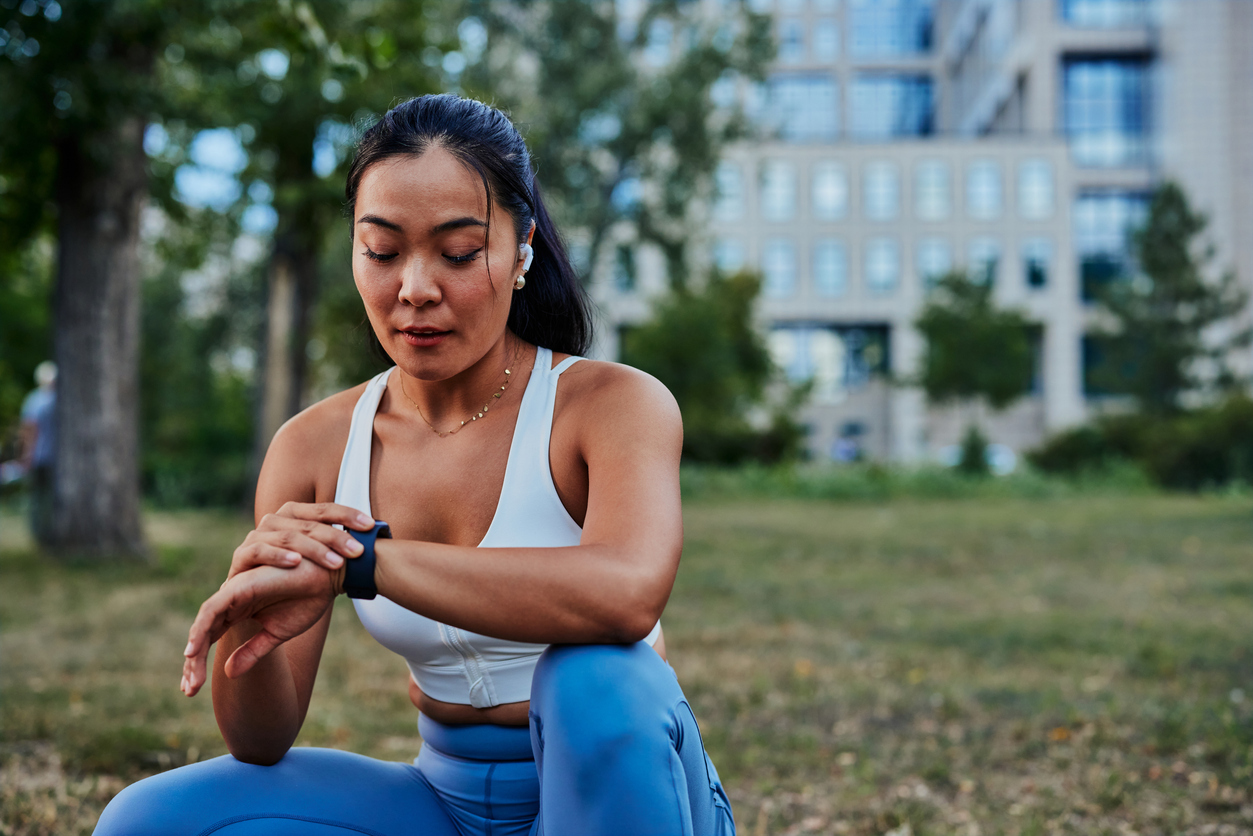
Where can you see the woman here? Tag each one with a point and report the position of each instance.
(533, 500)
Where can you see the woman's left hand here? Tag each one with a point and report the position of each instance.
(301, 531)
(284, 602)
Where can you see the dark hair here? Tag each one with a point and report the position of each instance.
(552, 310)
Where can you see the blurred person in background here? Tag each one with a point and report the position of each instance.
(535, 532)
(38, 446)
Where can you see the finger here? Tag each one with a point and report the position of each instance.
(208, 626)
(263, 554)
(251, 652)
(324, 546)
(327, 512)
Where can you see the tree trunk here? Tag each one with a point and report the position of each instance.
(292, 279)
(96, 344)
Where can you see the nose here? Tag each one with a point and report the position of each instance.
(418, 285)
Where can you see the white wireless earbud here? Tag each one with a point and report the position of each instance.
(525, 251)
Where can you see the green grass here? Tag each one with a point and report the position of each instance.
(1017, 662)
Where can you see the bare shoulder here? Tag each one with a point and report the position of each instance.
(598, 393)
(302, 462)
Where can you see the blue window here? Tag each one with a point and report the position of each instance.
(838, 360)
(890, 27)
(935, 260)
(1103, 224)
(830, 267)
(791, 41)
(1107, 111)
(890, 105)
(728, 255)
(1105, 13)
(779, 268)
(1037, 258)
(803, 107)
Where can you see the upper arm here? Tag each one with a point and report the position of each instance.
(631, 438)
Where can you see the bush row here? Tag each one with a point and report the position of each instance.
(1201, 449)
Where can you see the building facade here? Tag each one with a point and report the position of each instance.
(1018, 140)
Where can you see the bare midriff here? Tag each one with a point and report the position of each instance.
(457, 714)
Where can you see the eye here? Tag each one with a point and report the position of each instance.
(464, 259)
(382, 258)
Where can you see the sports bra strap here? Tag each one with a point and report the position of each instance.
(565, 364)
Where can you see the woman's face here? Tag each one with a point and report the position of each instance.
(420, 261)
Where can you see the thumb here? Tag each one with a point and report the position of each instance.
(250, 652)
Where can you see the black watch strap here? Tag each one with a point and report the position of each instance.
(359, 571)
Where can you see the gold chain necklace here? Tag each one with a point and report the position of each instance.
(473, 417)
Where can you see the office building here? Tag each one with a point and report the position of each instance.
(1016, 139)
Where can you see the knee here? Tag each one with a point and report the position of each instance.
(145, 807)
(603, 695)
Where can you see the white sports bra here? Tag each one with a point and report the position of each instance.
(450, 664)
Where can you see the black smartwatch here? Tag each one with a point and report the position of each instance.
(359, 571)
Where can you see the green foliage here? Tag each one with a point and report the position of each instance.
(704, 347)
(973, 350)
(1203, 448)
(195, 378)
(340, 329)
(25, 340)
(876, 483)
(974, 453)
(1161, 343)
(619, 135)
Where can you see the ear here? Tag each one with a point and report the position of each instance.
(525, 253)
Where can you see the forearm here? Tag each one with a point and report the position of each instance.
(576, 594)
(258, 712)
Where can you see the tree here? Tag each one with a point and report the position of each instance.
(75, 92)
(974, 352)
(704, 346)
(1166, 339)
(305, 78)
(617, 111)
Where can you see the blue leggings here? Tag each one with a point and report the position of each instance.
(612, 748)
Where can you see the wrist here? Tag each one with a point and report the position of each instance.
(358, 573)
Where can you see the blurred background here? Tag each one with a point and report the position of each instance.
(953, 295)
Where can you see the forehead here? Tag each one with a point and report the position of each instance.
(412, 190)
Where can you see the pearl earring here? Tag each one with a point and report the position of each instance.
(526, 254)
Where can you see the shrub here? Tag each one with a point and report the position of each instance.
(1203, 448)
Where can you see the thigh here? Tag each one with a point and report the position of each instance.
(310, 791)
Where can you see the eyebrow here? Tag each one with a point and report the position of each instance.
(457, 223)
(377, 221)
(446, 226)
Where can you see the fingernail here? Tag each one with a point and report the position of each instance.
(354, 547)
(292, 557)
(334, 559)
(188, 649)
(364, 520)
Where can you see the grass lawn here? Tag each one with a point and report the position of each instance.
(985, 666)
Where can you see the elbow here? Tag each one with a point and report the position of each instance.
(255, 755)
(636, 630)
(635, 616)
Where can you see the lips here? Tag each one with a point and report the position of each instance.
(424, 337)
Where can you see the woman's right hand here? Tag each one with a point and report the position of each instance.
(283, 603)
(301, 531)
